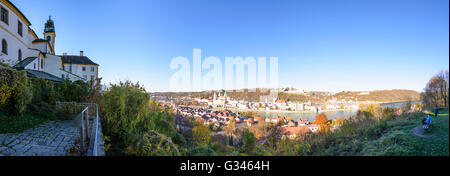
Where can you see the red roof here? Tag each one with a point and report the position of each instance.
(293, 130)
(280, 101)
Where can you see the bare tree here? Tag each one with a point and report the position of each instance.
(436, 90)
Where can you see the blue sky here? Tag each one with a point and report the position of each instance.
(329, 45)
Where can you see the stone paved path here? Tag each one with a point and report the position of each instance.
(49, 139)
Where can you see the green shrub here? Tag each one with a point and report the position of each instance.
(36, 97)
(68, 110)
(262, 150)
(201, 134)
(126, 112)
(152, 144)
(249, 142)
(201, 151)
(15, 93)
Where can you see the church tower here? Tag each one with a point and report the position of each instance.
(49, 32)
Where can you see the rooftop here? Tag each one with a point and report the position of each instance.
(44, 75)
(22, 64)
(70, 59)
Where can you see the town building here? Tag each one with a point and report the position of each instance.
(22, 49)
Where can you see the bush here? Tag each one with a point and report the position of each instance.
(15, 92)
(201, 134)
(126, 113)
(153, 144)
(68, 110)
(77, 91)
(202, 151)
(249, 142)
(387, 113)
(122, 108)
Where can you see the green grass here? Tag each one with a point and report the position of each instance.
(19, 123)
(399, 141)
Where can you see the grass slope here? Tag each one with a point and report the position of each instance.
(399, 140)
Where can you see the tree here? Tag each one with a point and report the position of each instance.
(274, 135)
(321, 119)
(249, 142)
(201, 134)
(436, 90)
(231, 126)
(339, 121)
(259, 130)
(123, 107)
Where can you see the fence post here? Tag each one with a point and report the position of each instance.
(82, 135)
(87, 122)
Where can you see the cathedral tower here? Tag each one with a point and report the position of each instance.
(49, 32)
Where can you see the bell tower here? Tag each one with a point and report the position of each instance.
(49, 32)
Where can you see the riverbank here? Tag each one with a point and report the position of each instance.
(278, 111)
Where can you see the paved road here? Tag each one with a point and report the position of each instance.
(49, 139)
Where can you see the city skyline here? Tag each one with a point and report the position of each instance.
(332, 46)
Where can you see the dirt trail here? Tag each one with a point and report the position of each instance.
(418, 131)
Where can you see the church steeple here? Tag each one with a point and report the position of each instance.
(50, 25)
(49, 32)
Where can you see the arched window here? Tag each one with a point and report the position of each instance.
(19, 55)
(4, 46)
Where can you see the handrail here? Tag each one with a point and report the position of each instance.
(94, 152)
(96, 132)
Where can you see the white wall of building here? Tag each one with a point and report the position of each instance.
(33, 65)
(43, 47)
(9, 32)
(53, 65)
(71, 76)
(87, 73)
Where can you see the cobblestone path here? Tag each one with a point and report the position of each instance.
(49, 139)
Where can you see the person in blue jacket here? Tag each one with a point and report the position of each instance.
(428, 122)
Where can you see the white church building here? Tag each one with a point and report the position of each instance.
(22, 49)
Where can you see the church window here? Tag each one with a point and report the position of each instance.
(19, 28)
(4, 15)
(4, 47)
(19, 55)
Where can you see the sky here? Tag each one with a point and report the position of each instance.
(322, 45)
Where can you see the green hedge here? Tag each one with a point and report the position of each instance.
(15, 90)
(19, 93)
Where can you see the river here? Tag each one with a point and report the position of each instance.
(330, 114)
(308, 115)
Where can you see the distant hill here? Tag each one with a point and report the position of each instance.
(315, 97)
(380, 95)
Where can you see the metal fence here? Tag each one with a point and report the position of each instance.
(89, 127)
